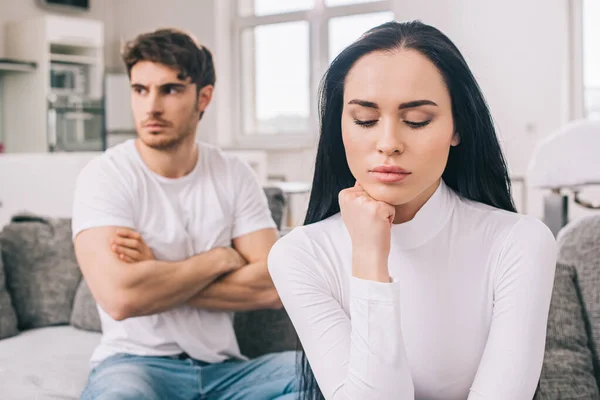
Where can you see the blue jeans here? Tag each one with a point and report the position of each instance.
(125, 377)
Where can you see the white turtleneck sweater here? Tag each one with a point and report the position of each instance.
(464, 318)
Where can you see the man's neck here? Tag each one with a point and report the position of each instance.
(173, 163)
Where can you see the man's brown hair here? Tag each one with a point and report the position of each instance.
(173, 48)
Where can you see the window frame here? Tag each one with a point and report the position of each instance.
(577, 89)
(318, 45)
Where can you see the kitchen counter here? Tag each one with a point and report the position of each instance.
(12, 65)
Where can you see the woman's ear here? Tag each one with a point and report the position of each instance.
(455, 139)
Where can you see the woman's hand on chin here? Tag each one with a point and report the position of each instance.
(369, 224)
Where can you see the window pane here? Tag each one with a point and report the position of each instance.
(591, 57)
(345, 30)
(334, 3)
(269, 7)
(276, 78)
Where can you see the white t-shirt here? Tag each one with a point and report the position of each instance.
(219, 200)
(465, 315)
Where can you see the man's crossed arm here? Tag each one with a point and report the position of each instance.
(222, 279)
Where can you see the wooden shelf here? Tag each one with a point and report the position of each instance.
(9, 65)
(72, 58)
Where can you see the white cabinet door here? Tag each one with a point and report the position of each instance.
(74, 31)
(119, 117)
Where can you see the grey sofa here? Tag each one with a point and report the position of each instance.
(571, 363)
(49, 324)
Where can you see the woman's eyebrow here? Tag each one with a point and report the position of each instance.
(416, 103)
(403, 106)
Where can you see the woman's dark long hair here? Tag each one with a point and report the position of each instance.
(476, 168)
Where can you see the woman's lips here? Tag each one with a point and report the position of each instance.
(388, 173)
(389, 177)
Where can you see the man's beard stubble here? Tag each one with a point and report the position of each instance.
(169, 143)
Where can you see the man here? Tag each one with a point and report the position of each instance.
(154, 220)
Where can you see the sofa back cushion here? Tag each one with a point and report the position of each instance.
(277, 204)
(568, 369)
(42, 274)
(264, 331)
(579, 246)
(8, 316)
(85, 314)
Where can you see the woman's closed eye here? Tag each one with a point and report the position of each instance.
(365, 123)
(411, 124)
(417, 125)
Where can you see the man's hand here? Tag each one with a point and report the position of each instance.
(130, 247)
(250, 287)
(231, 257)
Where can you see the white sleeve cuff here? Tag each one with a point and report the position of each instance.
(375, 291)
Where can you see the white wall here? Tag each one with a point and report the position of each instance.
(16, 10)
(132, 17)
(44, 184)
(518, 51)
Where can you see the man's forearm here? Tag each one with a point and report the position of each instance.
(150, 287)
(248, 288)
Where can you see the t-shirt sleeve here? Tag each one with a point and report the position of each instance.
(101, 198)
(251, 207)
(512, 360)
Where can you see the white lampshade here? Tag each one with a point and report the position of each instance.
(568, 158)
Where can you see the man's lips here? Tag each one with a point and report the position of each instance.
(155, 125)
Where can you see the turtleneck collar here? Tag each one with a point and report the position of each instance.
(428, 221)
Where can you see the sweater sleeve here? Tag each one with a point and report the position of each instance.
(511, 364)
(354, 357)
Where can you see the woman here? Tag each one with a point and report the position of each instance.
(413, 277)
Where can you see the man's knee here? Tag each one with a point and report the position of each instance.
(284, 371)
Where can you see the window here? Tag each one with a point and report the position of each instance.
(281, 51)
(591, 58)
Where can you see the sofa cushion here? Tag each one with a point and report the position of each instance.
(264, 331)
(579, 246)
(46, 363)
(85, 313)
(568, 369)
(42, 274)
(276, 204)
(8, 316)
